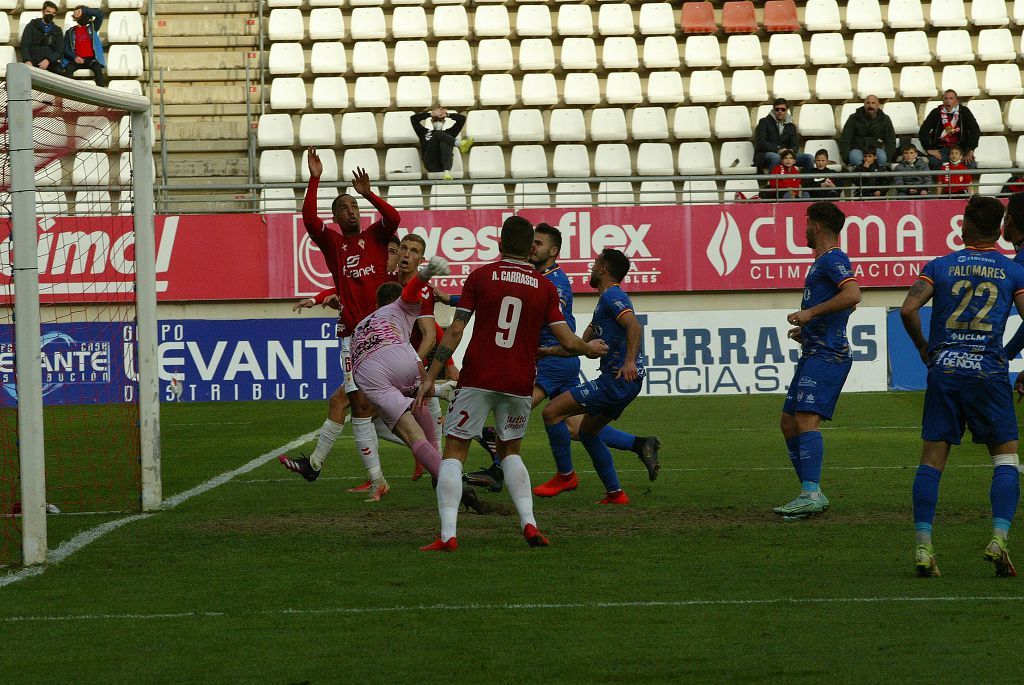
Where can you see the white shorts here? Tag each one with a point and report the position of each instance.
(470, 408)
(346, 364)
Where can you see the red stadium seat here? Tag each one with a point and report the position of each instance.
(780, 16)
(699, 17)
(738, 17)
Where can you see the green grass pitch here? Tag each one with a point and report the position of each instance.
(269, 579)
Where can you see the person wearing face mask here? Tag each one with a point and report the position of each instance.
(437, 142)
(82, 46)
(42, 41)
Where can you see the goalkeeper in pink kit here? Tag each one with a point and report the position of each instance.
(387, 368)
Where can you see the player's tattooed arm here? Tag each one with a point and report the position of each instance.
(910, 314)
(444, 351)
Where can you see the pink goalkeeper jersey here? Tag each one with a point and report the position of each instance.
(392, 324)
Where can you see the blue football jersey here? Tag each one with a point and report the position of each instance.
(612, 304)
(825, 336)
(561, 283)
(974, 291)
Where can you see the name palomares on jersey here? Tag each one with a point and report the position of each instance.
(977, 270)
(515, 277)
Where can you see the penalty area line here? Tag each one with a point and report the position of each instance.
(541, 606)
(87, 537)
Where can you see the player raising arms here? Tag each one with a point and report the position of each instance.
(968, 375)
(603, 400)
(357, 260)
(511, 302)
(830, 295)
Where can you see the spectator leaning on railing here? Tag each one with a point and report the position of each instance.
(42, 41)
(868, 126)
(777, 132)
(82, 46)
(948, 125)
(823, 185)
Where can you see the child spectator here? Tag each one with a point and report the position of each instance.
(82, 46)
(823, 186)
(783, 186)
(869, 167)
(957, 179)
(917, 182)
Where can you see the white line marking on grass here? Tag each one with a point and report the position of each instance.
(420, 608)
(69, 547)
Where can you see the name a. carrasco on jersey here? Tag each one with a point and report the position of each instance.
(515, 277)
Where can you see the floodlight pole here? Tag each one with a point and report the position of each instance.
(24, 235)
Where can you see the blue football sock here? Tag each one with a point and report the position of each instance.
(793, 446)
(617, 439)
(603, 462)
(812, 453)
(561, 446)
(1004, 494)
(926, 496)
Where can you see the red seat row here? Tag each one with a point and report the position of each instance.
(738, 17)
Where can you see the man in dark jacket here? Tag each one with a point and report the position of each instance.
(868, 126)
(82, 46)
(948, 125)
(42, 42)
(437, 142)
(776, 132)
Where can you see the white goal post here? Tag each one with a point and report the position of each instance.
(21, 81)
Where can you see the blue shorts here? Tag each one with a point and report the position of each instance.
(556, 375)
(606, 396)
(983, 405)
(816, 386)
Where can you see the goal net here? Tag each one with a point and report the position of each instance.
(79, 411)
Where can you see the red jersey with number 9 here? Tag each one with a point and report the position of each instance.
(512, 301)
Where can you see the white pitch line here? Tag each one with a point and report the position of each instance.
(546, 606)
(69, 547)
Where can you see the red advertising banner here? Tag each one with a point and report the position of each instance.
(725, 247)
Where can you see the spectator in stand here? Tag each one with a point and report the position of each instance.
(784, 184)
(914, 179)
(1014, 184)
(777, 132)
(948, 125)
(824, 185)
(869, 167)
(42, 41)
(82, 46)
(957, 180)
(868, 126)
(437, 142)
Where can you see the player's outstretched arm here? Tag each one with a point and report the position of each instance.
(574, 345)
(910, 314)
(634, 334)
(847, 297)
(559, 351)
(316, 167)
(389, 216)
(304, 303)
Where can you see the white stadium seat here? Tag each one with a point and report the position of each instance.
(287, 92)
(450, 21)
(575, 20)
(993, 152)
(567, 125)
(954, 46)
(743, 51)
(448, 196)
(484, 126)
(488, 196)
(330, 92)
(406, 22)
(533, 20)
(791, 84)
(411, 56)
(917, 82)
(657, 193)
(359, 157)
(615, 20)
(613, 159)
(904, 117)
(579, 54)
(870, 48)
(732, 121)
(414, 92)
(126, 27)
(619, 52)
(947, 13)
(286, 58)
(989, 13)
(661, 52)
(863, 15)
(491, 21)
(648, 123)
(616, 193)
(696, 159)
(497, 90)
(828, 49)
(409, 198)
(905, 14)
(989, 115)
(655, 159)
(737, 157)
(573, 195)
(749, 85)
(607, 124)
(699, 192)
(494, 54)
(277, 166)
(1015, 115)
(829, 145)
(665, 87)
(123, 61)
(691, 123)
(1002, 80)
(326, 23)
(996, 45)
(657, 19)
(911, 47)
(370, 57)
(702, 52)
(536, 54)
(372, 92)
(328, 58)
(454, 56)
(526, 126)
(367, 23)
(397, 129)
(273, 200)
(833, 83)
(786, 50)
(539, 90)
(486, 161)
(817, 120)
(357, 128)
(875, 81)
(284, 24)
(456, 90)
(623, 88)
(822, 15)
(992, 184)
(275, 130)
(570, 160)
(330, 162)
(707, 86)
(963, 79)
(122, 86)
(528, 161)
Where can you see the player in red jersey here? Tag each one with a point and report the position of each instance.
(358, 262)
(511, 302)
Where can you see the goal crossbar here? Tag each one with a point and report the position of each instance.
(21, 81)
